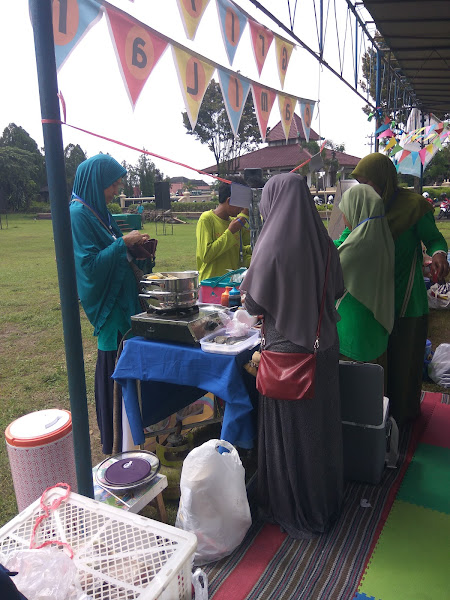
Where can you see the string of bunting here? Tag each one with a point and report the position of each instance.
(138, 49)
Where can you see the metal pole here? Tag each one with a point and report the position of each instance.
(41, 16)
(356, 53)
(321, 30)
(422, 120)
(378, 97)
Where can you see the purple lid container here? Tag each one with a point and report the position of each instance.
(127, 471)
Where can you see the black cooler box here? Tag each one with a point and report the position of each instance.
(364, 411)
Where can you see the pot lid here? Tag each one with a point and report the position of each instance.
(127, 471)
(39, 428)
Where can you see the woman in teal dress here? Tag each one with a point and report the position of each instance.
(367, 259)
(106, 282)
(411, 221)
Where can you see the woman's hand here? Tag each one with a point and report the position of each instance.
(134, 237)
(439, 266)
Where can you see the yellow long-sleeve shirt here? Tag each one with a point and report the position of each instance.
(217, 247)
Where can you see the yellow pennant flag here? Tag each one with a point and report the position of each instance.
(430, 148)
(390, 144)
(191, 12)
(283, 50)
(287, 106)
(194, 76)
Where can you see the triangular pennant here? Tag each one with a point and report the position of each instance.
(194, 76)
(261, 40)
(287, 106)
(263, 99)
(386, 133)
(395, 149)
(387, 120)
(306, 114)
(430, 148)
(437, 143)
(191, 12)
(381, 128)
(404, 154)
(234, 91)
(71, 21)
(391, 143)
(414, 156)
(439, 127)
(422, 154)
(232, 24)
(283, 50)
(138, 49)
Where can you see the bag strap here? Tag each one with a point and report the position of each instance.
(108, 229)
(322, 305)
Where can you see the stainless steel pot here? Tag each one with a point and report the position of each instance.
(159, 300)
(184, 281)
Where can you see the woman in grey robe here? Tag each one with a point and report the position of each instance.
(300, 476)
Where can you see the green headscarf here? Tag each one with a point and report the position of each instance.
(368, 254)
(403, 207)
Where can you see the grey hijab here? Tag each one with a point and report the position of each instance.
(287, 270)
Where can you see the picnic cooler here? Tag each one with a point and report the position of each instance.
(364, 413)
(211, 289)
(118, 555)
(40, 452)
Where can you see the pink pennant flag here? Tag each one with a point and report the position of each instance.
(261, 41)
(263, 99)
(138, 49)
(422, 154)
(386, 133)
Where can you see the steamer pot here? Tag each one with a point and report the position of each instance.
(185, 281)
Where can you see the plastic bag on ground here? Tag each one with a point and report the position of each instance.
(439, 295)
(439, 367)
(213, 502)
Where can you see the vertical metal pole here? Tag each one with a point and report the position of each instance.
(422, 121)
(41, 16)
(321, 30)
(378, 97)
(356, 52)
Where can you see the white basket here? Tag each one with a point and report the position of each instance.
(119, 555)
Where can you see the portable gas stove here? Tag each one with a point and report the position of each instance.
(187, 325)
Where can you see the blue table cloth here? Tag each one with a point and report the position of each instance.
(175, 375)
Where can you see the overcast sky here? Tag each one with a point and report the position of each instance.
(97, 100)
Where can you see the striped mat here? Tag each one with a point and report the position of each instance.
(268, 565)
(410, 561)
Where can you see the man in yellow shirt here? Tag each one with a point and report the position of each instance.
(219, 237)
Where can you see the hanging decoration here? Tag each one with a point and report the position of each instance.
(283, 51)
(234, 91)
(263, 99)
(232, 24)
(194, 76)
(137, 50)
(306, 113)
(261, 40)
(191, 12)
(71, 21)
(287, 106)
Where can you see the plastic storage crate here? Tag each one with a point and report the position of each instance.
(118, 555)
(211, 289)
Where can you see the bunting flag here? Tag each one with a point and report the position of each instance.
(430, 148)
(72, 19)
(283, 50)
(422, 154)
(392, 142)
(261, 41)
(386, 133)
(232, 24)
(191, 12)
(414, 156)
(404, 154)
(287, 106)
(263, 99)
(137, 49)
(234, 91)
(194, 76)
(306, 114)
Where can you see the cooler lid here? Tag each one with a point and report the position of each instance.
(39, 428)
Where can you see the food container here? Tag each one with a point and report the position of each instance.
(159, 300)
(208, 345)
(181, 281)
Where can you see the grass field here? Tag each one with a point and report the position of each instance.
(32, 362)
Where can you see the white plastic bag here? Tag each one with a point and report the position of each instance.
(213, 502)
(439, 296)
(439, 367)
(200, 584)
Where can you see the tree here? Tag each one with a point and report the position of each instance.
(73, 156)
(213, 129)
(16, 137)
(331, 164)
(439, 168)
(147, 174)
(18, 178)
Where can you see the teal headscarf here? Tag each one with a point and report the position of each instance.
(104, 277)
(368, 254)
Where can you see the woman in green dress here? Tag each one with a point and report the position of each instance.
(411, 221)
(367, 259)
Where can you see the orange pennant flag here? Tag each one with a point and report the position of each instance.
(194, 76)
(261, 40)
(191, 12)
(263, 99)
(283, 51)
(287, 106)
(138, 49)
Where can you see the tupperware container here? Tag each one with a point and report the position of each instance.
(208, 345)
